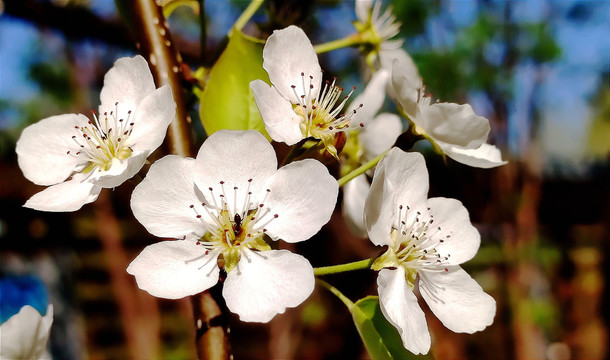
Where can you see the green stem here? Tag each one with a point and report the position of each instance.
(334, 269)
(246, 15)
(351, 40)
(361, 170)
(336, 292)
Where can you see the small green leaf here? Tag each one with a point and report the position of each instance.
(226, 101)
(380, 338)
(170, 5)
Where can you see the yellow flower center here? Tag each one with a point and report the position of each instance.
(414, 245)
(101, 142)
(321, 114)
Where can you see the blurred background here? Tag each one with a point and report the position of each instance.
(538, 70)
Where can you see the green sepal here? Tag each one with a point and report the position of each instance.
(258, 244)
(380, 338)
(231, 258)
(387, 260)
(226, 101)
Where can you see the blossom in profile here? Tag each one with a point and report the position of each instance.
(222, 207)
(25, 334)
(299, 105)
(427, 240)
(379, 134)
(76, 156)
(378, 28)
(454, 129)
(25, 318)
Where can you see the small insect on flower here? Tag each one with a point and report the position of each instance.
(237, 225)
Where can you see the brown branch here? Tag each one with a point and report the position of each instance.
(155, 43)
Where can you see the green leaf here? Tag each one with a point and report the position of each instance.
(380, 338)
(226, 101)
(170, 5)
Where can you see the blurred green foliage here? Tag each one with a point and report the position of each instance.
(53, 78)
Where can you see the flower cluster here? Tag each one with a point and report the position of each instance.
(223, 212)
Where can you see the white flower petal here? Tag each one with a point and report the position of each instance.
(485, 156)
(303, 194)
(379, 209)
(25, 334)
(363, 9)
(403, 180)
(120, 171)
(127, 83)
(405, 69)
(175, 269)
(161, 202)
(281, 122)
(152, 117)
(266, 283)
(234, 157)
(70, 195)
(371, 99)
(452, 217)
(457, 300)
(379, 135)
(354, 196)
(454, 124)
(399, 306)
(42, 149)
(406, 83)
(287, 54)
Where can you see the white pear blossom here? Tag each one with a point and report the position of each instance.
(25, 334)
(455, 129)
(379, 134)
(222, 206)
(378, 29)
(76, 156)
(298, 105)
(427, 240)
